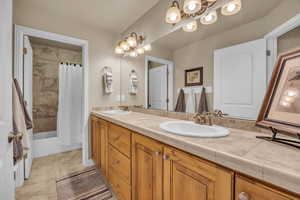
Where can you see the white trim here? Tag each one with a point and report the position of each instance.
(272, 41)
(20, 31)
(170, 65)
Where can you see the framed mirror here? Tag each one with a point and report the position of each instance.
(281, 107)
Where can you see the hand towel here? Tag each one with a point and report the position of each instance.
(19, 125)
(28, 120)
(108, 80)
(180, 105)
(133, 84)
(202, 106)
(191, 102)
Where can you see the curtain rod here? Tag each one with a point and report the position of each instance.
(68, 63)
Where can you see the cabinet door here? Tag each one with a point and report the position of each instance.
(96, 155)
(103, 146)
(246, 189)
(188, 177)
(146, 168)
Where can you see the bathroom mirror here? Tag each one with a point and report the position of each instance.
(229, 62)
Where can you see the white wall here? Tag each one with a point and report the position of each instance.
(101, 46)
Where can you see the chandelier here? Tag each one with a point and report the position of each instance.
(132, 46)
(196, 8)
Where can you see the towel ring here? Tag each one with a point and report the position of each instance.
(107, 69)
(133, 72)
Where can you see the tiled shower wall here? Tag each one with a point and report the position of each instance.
(46, 61)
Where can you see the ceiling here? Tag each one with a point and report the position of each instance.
(251, 10)
(111, 15)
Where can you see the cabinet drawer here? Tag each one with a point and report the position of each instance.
(249, 189)
(120, 138)
(121, 188)
(120, 164)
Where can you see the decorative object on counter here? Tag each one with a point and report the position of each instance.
(193, 77)
(133, 82)
(107, 80)
(206, 118)
(194, 9)
(280, 111)
(133, 45)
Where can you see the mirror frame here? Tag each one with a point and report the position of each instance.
(263, 120)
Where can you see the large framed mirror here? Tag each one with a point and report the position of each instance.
(235, 53)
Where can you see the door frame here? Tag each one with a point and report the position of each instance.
(7, 184)
(272, 41)
(170, 66)
(20, 31)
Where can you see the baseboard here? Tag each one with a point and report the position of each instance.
(49, 146)
(88, 162)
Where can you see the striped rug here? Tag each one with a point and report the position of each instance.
(84, 185)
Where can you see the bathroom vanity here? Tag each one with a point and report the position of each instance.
(141, 162)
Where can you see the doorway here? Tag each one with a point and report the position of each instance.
(44, 54)
(158, 86)
(158, 83)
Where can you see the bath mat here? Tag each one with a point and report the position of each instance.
(83, 185)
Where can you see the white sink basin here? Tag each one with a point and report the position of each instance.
(191, 129)
(116, 112)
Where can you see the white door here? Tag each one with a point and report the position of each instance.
(28, 56)
(158, 87)
(240, 79)
(6, 156)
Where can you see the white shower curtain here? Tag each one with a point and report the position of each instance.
(69, 116)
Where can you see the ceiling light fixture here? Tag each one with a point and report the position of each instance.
(124, 45)
(132, 40)
(140, 51)
(119, 50)
(232, 7)
(210, 18)
(148, 47)
(194, 9)
(192, 6)
(190, 27)
(173, 15)
(133, 45)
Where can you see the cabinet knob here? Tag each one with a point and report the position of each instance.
(157, 153)
(244, 196)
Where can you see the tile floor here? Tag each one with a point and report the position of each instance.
(41, 183)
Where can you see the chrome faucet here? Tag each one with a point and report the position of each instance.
(206, 118)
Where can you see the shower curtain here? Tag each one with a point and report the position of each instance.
(69, 116)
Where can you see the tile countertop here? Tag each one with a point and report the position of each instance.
(240, 151)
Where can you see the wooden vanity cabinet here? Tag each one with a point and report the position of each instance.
(249, 189)
(119, 161)
(147, 168)
(99, 139)
(140, 168)
(95, 140)
(189, 177)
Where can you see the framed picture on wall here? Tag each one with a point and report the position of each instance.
(281, 106)
(193, 77)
